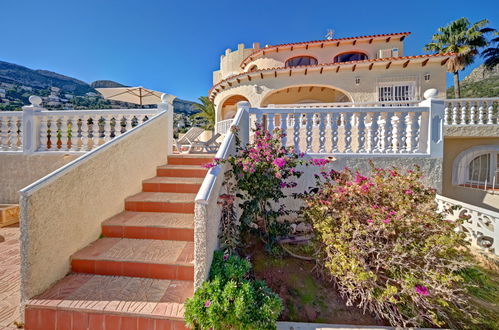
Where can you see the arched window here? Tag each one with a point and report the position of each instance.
(301, 60)
(351, 56)
(477, 167)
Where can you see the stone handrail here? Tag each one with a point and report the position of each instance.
(346, 104)
(480, 225)
(38, 130)
(472, 111)
(207, 212)
(359, 130)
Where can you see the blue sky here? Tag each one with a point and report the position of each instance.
(173, 46)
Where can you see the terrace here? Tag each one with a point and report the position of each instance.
(115, 183)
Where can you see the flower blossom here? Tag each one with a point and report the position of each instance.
(209, 165)
(207, 303)
(422, 290)
(279, 162)
(409, 192)
(319, 161)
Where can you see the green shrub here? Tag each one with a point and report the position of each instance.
(388, 249)
(231, 300)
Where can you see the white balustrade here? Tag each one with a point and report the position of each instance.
(472, 111)
(10, 131)
(480, 225)
(36, 130)
(223, 126)
(384, 130)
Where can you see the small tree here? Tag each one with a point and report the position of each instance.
(462, 39)
(206, 112)
(491, 54)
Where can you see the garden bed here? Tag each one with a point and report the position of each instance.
(305, 297)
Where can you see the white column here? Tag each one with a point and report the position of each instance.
(31, 133)
(434, 127)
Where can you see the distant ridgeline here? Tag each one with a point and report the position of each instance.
(479, 83)
(18, 83)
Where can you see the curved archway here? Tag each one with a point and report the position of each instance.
(228, 107)
(306, 94)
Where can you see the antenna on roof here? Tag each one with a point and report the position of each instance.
(329, 34)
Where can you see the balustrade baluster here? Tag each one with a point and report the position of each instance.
(415, 132)
(107, 128)
(309, 126)
(447, 114)
(334, 132)
(117, 125)
(4, 133)
(64, 132)
(402, 129)
(361, 132)
(259, 118)
(73, 133)
(463, 114)
(395, 118)
(296, 131)
(480, 110)
(347, 120)
(284, 129)
(20, 133)
(270, 122)
(322, 132)
(44, 127)
(85, 145)
(128, 123)
(96, 128)
(454, 114)
(387, 133)
(490, 110)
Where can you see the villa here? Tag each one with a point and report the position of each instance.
(118, 229)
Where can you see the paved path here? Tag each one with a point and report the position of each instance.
(10, 278)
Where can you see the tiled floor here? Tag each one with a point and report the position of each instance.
(9, 277)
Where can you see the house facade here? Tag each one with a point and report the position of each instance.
(357, 69)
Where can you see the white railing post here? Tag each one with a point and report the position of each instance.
(31, 125)
(244, 124)
(432, 130)
(167, 105)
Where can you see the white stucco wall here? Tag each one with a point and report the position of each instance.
(18, 170)
(63, 212)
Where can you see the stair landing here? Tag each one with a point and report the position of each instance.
(83, 301)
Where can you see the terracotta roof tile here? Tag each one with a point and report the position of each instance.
(247, 59)
(237, 76)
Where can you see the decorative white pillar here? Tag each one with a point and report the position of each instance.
(244, 124)
(167, 105)
(31, 125)
(432, 130)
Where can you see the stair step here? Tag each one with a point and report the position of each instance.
(189, 159)
(172, 184)
(184, 171)
(150, 225)
(161, 202)
(160, 259)
(83, 301)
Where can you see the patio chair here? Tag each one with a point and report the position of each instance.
(188, 139)
(209, 146)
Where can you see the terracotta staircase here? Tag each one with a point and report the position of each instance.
(140, 272)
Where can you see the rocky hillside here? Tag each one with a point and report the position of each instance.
(106, 84)
(41, 79)
(479, 83)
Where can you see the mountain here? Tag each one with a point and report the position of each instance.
(481, 82)
(41, 79)
(106, 84)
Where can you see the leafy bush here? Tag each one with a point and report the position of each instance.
(231, 300)
(388, 249)
(261, 171)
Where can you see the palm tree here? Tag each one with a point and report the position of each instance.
(462, 39)
(491, 54)
(206, 112)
